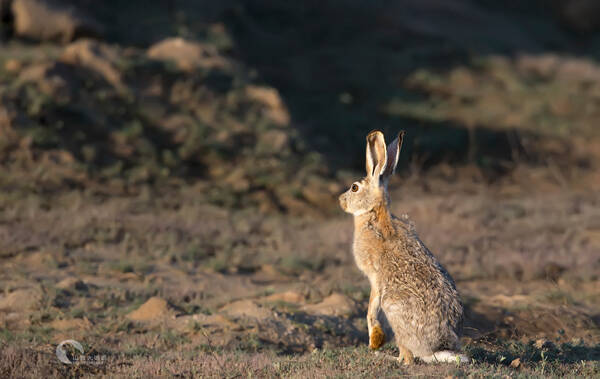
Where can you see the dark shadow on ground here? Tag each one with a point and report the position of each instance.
(335, 65)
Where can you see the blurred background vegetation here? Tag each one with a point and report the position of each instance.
(266, 103)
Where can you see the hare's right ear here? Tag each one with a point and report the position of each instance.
(376, 154)
(393, 153)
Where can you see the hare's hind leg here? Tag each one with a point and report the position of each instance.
(406, 356)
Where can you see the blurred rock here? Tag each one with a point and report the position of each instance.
(21, 300)
(98, 57)
(54, 79)
(188, 55)
(52, 21)
(288, 297)
(274, 141)
(334, 305)
(153, 309)
(270, 98)
(515, 363)
(318, 193)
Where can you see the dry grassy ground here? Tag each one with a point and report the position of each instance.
(247, 293)
(171, 203)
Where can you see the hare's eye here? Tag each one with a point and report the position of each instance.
(354, 187)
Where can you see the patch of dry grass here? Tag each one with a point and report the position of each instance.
(342, 362)
(120, 251)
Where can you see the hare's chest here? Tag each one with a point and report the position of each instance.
(365, 259)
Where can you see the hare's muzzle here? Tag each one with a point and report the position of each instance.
(342, 199)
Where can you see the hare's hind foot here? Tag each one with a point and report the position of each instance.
(377, 338)
(405, 357)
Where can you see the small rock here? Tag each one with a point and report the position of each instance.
(270, 98)
(98, 57)
(154, 308)
(288, 297)
(51, 21)
(187, 55)
(334, 305)
(21, 300)
(266, 95)
(515, 363)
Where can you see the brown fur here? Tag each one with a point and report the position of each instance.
(383, 220)
(416, 293)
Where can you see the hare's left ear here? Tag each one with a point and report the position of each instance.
(393, 152)
(376, 155)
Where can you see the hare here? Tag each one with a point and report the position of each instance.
(416, 293)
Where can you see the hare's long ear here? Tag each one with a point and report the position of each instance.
(376, 154)
(393, 152)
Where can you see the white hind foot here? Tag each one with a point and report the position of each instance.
(446, 356)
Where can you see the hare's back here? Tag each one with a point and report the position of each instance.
(411, 275)
(420, 300)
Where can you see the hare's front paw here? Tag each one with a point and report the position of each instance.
(377, 338)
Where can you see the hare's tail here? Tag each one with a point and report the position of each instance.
(446, 357)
